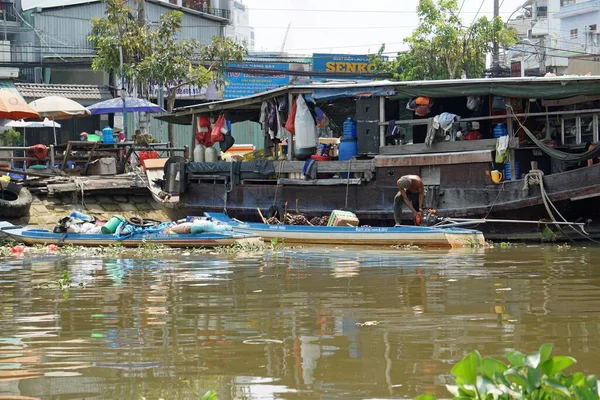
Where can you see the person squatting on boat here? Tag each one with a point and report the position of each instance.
(411, 192)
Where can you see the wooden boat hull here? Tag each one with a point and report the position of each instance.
(359, 236)
(45, 237)
(573, 192)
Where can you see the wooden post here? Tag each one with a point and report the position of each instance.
(578, 130)
(193, 143)
(511, 150)
(382, 128)
(186, 152)
(290, 149)
(51, 156)
(595, 129)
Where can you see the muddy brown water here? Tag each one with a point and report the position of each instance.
(286, 324)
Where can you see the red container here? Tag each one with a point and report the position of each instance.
(320, 158)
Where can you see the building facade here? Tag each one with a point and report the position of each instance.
(558, 36)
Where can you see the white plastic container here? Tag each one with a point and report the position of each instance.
(210, 155)
(199, 153)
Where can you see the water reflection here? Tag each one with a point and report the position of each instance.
(292, 324)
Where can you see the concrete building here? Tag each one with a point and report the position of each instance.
(580, 20)
(539, 37)
(558, 36)
(240, 29)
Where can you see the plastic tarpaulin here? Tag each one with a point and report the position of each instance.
(243, 170)
(526, 90)
(339, 93)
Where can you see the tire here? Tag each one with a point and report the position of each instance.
(171, 160)
(15, 201)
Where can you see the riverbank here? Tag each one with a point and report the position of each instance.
(46, 210)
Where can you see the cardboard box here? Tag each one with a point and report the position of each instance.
(154, 163)
(103, 166)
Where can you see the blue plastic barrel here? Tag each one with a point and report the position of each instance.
(349, 127)
(348, 148)
(107, 135)
(507, 175)
(500, 130)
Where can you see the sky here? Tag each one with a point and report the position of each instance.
(347, 26)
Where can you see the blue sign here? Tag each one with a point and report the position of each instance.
(243, 84)
(344, 63)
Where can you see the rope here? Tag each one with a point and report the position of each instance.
(537, 177)
(277, 185)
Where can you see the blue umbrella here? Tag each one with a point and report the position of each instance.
(132, 104)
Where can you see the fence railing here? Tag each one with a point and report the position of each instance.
(8, 11)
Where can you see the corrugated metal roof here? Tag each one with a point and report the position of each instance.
(74, 92)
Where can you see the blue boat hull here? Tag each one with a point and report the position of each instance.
(358, 236)
(45, 237)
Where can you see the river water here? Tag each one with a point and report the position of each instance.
(287, 323)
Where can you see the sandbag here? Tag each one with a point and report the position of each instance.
(306, 130)
(184, 228)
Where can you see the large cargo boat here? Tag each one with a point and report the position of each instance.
(547, 122)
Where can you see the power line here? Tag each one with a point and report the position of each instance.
(475, 18)
(342, 11)
(461, 7)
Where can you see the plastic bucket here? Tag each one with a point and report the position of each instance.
(112, 224)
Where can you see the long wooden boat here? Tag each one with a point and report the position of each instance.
(355, 236)
(45, 237)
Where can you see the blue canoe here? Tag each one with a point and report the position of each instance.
(365, 236)
(45, 237)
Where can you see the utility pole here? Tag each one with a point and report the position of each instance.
(496, 54)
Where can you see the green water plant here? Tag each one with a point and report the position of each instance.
(536, 376)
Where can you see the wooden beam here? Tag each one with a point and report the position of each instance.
(440, 147)
(320, 182)
(489, 118)
(419, 160)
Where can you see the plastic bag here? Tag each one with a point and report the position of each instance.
(499, 103)
(473, 103)
(218, 130)
(306, 130)
(203, 131)
(290, 123)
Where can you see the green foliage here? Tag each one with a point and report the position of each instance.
(155, 54)
(10, 137)
(441, 47)
(535, 376)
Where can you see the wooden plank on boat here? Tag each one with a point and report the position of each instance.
(465, 157)
(442, 147)
(319, 182)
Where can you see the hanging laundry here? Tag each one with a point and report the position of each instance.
(306, 130)
(502, 149)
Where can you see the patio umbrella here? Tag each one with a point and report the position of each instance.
(12, 106)
(132, 104)
(46, 123)
(58, 108)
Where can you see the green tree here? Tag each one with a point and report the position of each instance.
(155, 54)
(441, 47)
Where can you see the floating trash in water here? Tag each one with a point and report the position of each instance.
(262, 341)
(368, 323)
